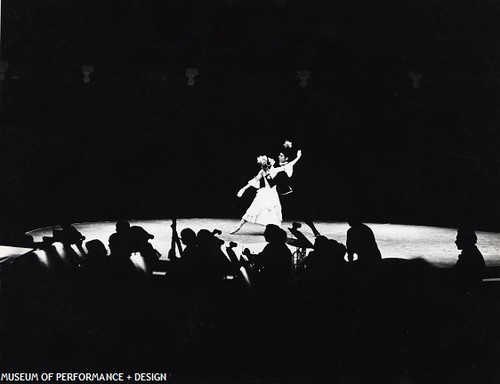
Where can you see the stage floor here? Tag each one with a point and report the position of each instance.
(435, 245)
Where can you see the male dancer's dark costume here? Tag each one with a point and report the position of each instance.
(287, 197)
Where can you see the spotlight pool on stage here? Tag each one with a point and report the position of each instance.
(433, 244)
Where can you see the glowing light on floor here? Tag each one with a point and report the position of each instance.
(60, 249)
(245, 276)
(77, 251)
(61, 252)
(138, 261)
(42, 257)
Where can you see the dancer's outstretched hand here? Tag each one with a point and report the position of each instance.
(299, 153)
(240, 192)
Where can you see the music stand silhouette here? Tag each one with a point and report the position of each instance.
(302, 243)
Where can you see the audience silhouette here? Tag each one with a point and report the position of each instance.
(468, 272)
(128, 240)
(190, 255)
(213, 262)
(138, 241)
(335, 313)
(326, 262)
(274, 263)
(361, 241)
(70, 235)
(132, 239)
(97, 254)
(119, 241)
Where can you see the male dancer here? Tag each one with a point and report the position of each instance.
(280, 176)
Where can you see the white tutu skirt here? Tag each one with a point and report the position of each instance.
(265, 208)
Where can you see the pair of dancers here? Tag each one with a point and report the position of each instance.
(271, 183)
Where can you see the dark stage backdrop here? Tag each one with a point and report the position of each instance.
(138, 142)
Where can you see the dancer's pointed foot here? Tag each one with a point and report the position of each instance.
(238, 227)
(317, 234)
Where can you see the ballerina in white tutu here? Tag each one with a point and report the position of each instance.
(265, 208)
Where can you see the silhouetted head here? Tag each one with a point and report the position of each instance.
(188, 237)
(96, 248)
(205, 238)
(122, 226)
(354, 219)
(466, 238)
(355, 213)
(274, 234)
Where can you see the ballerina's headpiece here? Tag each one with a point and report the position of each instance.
(286, 149)
(263, 160)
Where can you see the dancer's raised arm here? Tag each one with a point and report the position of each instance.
(299, 155)
(285, 165)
